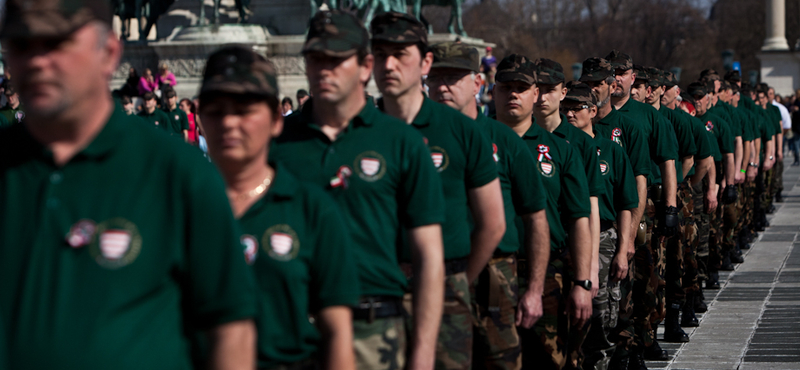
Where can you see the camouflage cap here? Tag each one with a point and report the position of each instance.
(399, 28)
(709, 74)
(52, 18)
(516, 67)
(581, 93)
(596, 69)
(335, 33)
(549, 72)
(641, 73)
(733, 76)
(656, 76)
(9, 90)
(455, 55)
(725, 85)
(237, 70)
(669, 80)
(697, 89)
(763, 87)
(619, 60)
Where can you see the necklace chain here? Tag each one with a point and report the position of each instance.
(258, 189)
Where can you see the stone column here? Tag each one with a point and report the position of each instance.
(776, 26)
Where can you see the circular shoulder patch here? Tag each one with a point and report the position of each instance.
(116, 243)
(281, 242)
(604, 167)
(440, 158)
(370, 166)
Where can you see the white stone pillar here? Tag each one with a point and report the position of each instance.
(776, 26)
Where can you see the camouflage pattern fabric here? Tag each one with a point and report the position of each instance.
(52, 18)
(496, 341)
(381, 344)
(690, 280)
(759, 197)
(398, 27)
(715, 236)
(335, 33)
(597, 346)
(516, 67)
(703, 222)
(769, 183)
(747, 211)
(545, 343)
(454, 345)
(645, 284)
(730, 221)
(236, 70)
(677, 245)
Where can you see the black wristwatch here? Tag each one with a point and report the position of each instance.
(585, 284)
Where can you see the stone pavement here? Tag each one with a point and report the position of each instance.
(753, 321)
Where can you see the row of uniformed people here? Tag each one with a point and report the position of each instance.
(497, 233)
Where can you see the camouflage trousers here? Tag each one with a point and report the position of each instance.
(454, 343)
(690, 280)
(646, 283)
(769, 183)
(597, 346)
(777, 180)
(716, 235)
(496, 342)
(731, 221)
(703, 222)
(677, 246)
(747, 205)
(546, 343)
(380, 344)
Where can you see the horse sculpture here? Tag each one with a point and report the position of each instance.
(135, 9)
(454, 25)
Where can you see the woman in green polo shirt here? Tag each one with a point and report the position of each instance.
(292, 233)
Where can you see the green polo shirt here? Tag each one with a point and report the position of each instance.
(683, 132)
(775, 118)
(463, 157)
(3, 121)
(587, 148)
(520, 181)
(618, 179)
(625, 132)
(733, 124)
(13, 115)
(658, 132)
(158, 119)
(300, 252)
(700, 137)
(721, 131)
(766, 130)
(749, 126)
(178, 121)
(380, 173)
(564, 179)
(117, 271)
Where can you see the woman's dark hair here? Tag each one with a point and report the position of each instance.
(192, 108)
(125, 100)
(287, 100)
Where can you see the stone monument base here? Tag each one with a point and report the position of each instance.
(781, 70)
(187, 49)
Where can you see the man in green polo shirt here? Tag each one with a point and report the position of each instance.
(616, 243)
(454, 81)
(568, 209)
(723, 134)
(675, 246)
(380, 172)
(703, 163)
(774, 114)
(662, 213)
(12, 111)
(550, 82)
(609, 123)
(152, 115)
(116, 273)
(462, 155)
(178, 122)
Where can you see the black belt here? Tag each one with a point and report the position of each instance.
(377, 307)
(455, 266)
(605, 225)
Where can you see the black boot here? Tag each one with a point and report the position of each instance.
(672, 330)
(726, 262)
(636, 361)
(618, 363)
(655, 353)
(735, 257)
(779, 198)
(713, 280)
(688, 318)
(700, 305)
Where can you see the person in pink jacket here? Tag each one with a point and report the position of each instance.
(165, 77)
(147, 83)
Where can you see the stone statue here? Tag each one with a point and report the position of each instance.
(455, 13)
(316, 4)
(151, 10)
(242, 6)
